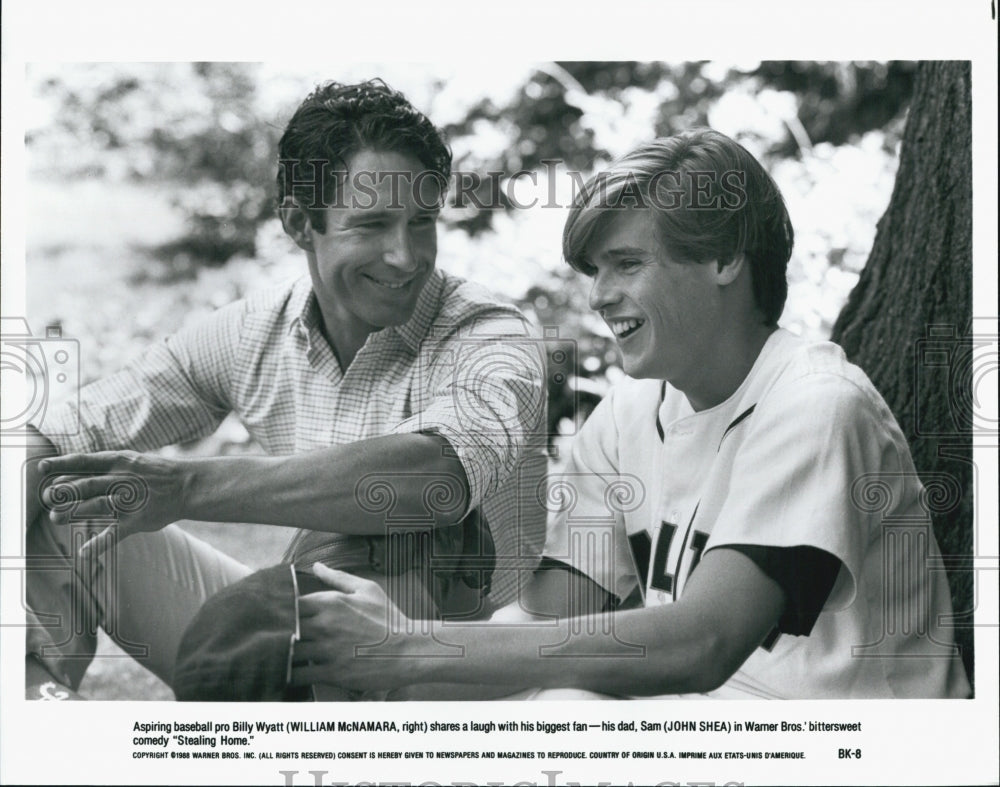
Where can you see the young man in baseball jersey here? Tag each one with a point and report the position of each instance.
(740, 517)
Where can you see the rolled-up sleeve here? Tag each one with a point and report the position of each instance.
(177, 390)
(487, 398)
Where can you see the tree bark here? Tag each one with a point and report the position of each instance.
(908, 321)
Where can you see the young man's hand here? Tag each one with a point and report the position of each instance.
(138, 492)
(333, 623)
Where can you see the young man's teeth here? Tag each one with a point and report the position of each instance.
(623, 327)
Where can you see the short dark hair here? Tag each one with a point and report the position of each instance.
(713, 199)
(336, 121)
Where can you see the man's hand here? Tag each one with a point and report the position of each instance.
(39, 447)
(141, 492)
(333, 622)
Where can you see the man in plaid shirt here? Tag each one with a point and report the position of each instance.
(381, 390)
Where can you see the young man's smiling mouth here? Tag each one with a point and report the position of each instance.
(625, 327)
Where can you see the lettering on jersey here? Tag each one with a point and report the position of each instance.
(698, 541)
(641, 545)
(696, 545)
(659, 579)
(659, 426)
(654, 574)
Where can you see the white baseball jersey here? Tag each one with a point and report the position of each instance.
(804, 454)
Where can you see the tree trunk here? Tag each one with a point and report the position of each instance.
(908, 321)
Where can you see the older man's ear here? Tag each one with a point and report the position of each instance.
(296, 223)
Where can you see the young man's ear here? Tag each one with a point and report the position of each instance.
(296, 223)
(727, 272)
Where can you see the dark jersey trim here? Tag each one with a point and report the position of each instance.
(806, 574)
(663, 394)
(738, 420)
(551, 564)
(771, 639)
(684, 545)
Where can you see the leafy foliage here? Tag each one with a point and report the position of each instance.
(206, 133)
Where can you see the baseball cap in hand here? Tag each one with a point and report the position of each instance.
(239, 645)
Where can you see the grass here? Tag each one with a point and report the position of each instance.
(115, 676)
(90, 270)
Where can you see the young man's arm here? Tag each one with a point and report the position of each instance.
(694, 645)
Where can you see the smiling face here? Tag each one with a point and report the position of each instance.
(666, 315)
(378, 250)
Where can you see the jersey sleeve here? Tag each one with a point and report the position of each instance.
(177, 390)
(488, 399)
(586, 525)
(792, 478)
(805, 575)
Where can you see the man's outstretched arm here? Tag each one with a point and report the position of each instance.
(436, 465)
(327, 489)
(694, 645)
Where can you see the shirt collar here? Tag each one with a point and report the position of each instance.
(413, 331)
(303, 305)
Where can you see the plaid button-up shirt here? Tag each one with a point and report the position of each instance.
(465, 366)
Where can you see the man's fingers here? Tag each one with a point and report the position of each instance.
(67, 488)
(314, 604)
(80, 463)
(339, 580)
(91, 508)
(312, 650)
